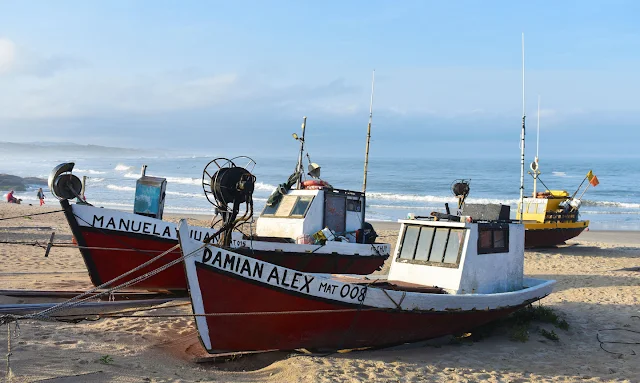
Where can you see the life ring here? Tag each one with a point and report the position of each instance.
(314, 184)
(314, 187)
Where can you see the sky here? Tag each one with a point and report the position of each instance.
(239, 76)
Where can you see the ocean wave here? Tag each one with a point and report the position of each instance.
(123, 168)
(90, 171)
(559, 174)
(264, 186)
(121, 188)
(403, 207)
(93, 180)
(116, 205)
(433, 198)
(626, 205)
(596, 212)
(176, 180)
(190, 195)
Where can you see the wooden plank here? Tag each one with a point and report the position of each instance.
(49, 244)
(86, 308)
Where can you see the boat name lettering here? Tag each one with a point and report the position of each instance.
(232, 263)
(198, 235)
(353, 291)
(238, 243)
(280, 276)
(327, 288)
(293, 285)
(131, 226)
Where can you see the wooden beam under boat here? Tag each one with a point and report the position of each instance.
(118, 295)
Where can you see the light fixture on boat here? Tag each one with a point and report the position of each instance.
(314, 170)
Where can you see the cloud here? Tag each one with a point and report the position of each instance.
(21, 61)
(7, 54)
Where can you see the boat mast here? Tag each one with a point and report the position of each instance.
(366, 154)
(535, 166)
(299, 166)
(522, 135)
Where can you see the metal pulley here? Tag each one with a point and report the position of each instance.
(229, 183)
(63, 184)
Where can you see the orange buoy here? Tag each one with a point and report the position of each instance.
(314, 184)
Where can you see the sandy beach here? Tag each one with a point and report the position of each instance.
(598, 289)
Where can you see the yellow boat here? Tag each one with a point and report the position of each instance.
(551, 218)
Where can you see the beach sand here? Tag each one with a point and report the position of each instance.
(594, 292)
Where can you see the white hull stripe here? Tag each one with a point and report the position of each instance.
(114, 220)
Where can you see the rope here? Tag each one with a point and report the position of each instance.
(404, 294)
(253, 313)
(31, 215)
(72, 302)
(603, 342)
(75, 301)
(71, 245)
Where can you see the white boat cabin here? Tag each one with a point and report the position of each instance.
(460, 257)
(301, 213)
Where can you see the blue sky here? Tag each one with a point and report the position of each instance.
(235, 75)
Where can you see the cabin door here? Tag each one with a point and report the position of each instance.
(335, 212)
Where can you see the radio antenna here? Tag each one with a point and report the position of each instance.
(522, 135)
(366, 154)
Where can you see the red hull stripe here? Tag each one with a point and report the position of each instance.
(550, 237)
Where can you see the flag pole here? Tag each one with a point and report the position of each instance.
(578, 189)
(585, 190)
(522, 136)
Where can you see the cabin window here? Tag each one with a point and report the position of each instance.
(289, 206)
(435, 246)
(454, 245)
(493, 239)
(409, 243)
(354, 205)
(301, 206)
(270, 210)
(424, 244)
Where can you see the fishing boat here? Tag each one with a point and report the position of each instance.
(552, 217)
(307, 225)
(447, 276)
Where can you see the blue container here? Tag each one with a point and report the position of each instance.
(150, 193)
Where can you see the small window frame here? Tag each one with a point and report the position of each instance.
(430, 261)
(493, 228)
(298, 198)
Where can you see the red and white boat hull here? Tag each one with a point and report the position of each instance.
(114, 242)
(244, 304)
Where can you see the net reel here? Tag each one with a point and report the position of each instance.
(63, 184)
(460, 188)
(227, 186)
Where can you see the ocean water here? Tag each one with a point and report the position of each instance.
(395, 187)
